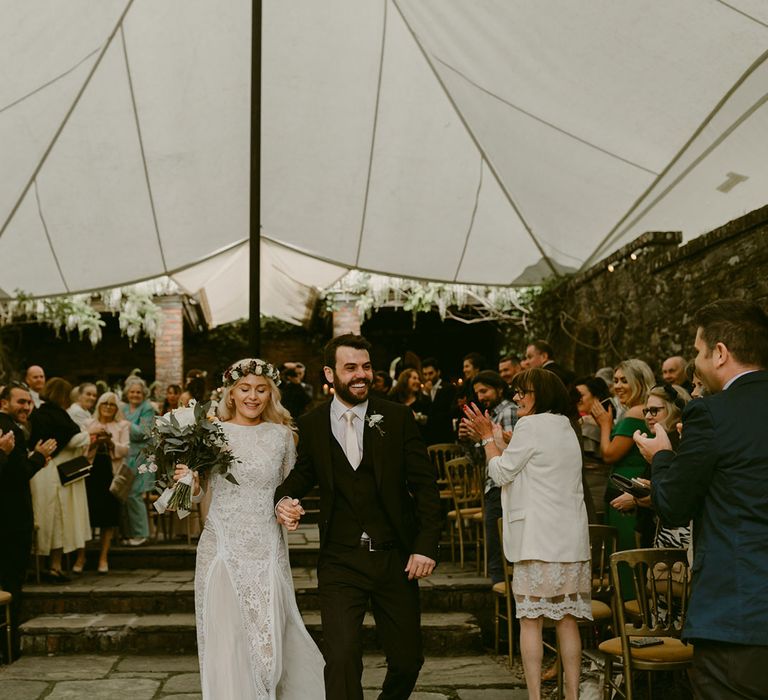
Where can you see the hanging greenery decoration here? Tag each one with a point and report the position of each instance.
(134, 306)
(459, 302)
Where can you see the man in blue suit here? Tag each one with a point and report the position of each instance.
(719, 479)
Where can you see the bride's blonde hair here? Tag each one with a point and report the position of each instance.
(274, 411)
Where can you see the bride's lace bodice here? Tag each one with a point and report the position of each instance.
(265, 454)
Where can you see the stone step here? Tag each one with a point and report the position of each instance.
(173, 556)
(152, 591)
(444, 634)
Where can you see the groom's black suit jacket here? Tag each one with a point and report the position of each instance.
(405, 477)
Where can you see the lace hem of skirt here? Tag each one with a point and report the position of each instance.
(554, 610)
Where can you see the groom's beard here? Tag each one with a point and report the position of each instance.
(343, 392)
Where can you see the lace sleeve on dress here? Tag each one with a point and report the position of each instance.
(289, 457)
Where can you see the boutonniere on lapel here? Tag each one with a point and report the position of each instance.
(375, 420)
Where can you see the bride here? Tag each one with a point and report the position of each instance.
(251, 640)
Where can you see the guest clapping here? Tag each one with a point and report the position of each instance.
(545, 519)
(407, 391)
(632, 380)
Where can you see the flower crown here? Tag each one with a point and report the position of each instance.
(250, 366)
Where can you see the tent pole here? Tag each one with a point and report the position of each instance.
(254, 322)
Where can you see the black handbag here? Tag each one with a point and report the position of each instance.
(629, 486)
(73, 470)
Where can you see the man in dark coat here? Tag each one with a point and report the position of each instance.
(16, 517)
(719, 478)
(379, 522)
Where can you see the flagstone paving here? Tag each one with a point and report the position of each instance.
(176, 677)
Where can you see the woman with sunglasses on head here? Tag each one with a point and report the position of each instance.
(545, 530)
(110, 444)
(632, 380)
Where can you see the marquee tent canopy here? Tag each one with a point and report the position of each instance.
(481, 141)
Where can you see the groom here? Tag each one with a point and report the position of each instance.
(379, 521)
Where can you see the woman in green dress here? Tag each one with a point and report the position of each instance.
(632, 380)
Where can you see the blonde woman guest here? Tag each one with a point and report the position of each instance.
(252, 642)
(139, 412)
(61, 512)
(110, 444)
(83, 401)
(545, 531)
(632, 380)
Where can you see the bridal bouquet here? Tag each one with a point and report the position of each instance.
(185, 436)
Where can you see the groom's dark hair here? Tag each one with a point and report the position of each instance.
(348, 340)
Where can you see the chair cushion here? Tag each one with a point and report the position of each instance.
(500, 588)
(672, 650)
(5, 597)
(632, 609)
(600, 610)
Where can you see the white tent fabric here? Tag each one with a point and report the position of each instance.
(483, 141)
(289, 281)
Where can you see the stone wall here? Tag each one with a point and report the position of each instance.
(643, 308)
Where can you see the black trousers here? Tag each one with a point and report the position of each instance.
(724, 671)
(348, 578)
(14, 557)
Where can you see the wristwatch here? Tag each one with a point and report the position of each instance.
(484, 442)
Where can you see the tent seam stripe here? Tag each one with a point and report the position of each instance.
(373, 136)
(373, 271)
(475, 140)
(471, 221)
(141, 149)
(48, 236)
(48, 83)
(544, 121)
(139, 280)
(611, 235)
(695, 163)
(65, 120)
(744, 14)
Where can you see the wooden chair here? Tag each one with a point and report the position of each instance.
(5, 601)
(465, 486)
(502, 604)
(661, 611)
(440, 453)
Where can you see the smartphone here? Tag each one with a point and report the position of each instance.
(640, 642)
(607, 404)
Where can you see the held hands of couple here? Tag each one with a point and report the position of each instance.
(419, 566)
(288, 512)
(181, 471)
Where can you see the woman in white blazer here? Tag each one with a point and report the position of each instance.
(546, 533)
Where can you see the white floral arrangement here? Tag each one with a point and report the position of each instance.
(250, 366)
(185, 436)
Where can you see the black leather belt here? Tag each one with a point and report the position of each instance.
(375, 545)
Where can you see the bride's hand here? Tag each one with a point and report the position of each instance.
(181, 471)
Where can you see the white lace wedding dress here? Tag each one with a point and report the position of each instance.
(251, 640)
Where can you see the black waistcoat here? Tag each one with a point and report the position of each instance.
(356, 507)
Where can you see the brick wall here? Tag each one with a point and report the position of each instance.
(169, 343)
(644, 307)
